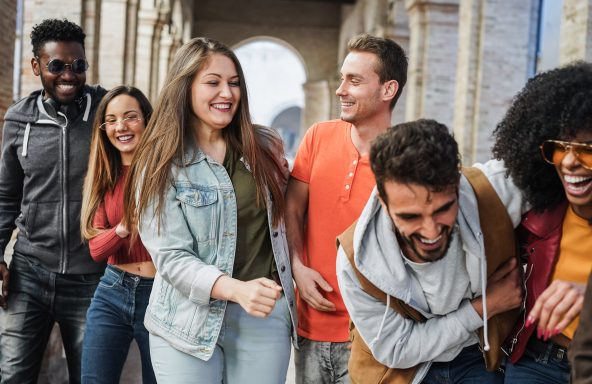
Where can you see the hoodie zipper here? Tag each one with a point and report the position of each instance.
(64, 236)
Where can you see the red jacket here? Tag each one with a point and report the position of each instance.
(540, 238)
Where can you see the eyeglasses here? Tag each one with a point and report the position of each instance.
(129, 121)
(554, 151)
(57, 66)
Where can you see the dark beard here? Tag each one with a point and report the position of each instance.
(438, 255)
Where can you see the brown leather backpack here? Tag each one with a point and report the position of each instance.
(500, 246)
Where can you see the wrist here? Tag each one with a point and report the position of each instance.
(477, 304)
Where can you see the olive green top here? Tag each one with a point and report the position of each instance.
(254, 255)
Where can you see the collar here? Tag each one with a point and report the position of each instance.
(541, 224)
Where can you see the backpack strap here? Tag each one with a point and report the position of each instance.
(346, 240)
(500, 246)
(496, 225)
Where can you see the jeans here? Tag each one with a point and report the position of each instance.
(37, 299)
(321, 362)
(115, 317)
(466, 368)
(249, 350)
(546, 366)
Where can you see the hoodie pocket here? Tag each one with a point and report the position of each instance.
(43, 225)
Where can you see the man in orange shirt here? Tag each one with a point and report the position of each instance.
(329, 186)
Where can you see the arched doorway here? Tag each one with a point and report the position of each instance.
(275, 73)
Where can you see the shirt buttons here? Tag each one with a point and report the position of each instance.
(347, 186)
(355, 162)
(351, 174)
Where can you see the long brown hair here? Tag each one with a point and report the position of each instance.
(164, 140)
(104, 163)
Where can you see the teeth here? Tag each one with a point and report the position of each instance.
(125, 138)
(426, 241)
(221, 106)
(347, 103)
(66, 86)
(575, 179)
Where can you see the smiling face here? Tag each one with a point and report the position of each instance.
(360, 91)
(423, 219)
(66, 86)
(215, 93)
(577, 180)
(125, 135)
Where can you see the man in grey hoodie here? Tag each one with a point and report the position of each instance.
(419, 240)
(45, 147)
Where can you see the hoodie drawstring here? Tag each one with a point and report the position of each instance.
(484, 295)
(87, 110)
(388, 304)
(26, 140)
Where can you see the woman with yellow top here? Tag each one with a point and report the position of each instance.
(545, 140)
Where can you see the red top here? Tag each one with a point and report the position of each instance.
(107, 245)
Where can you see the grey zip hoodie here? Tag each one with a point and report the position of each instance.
(398, 342)
(44, 161)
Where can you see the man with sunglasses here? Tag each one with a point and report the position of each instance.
(45, 149)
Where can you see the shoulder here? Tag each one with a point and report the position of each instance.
(331, 128)
(24, 110)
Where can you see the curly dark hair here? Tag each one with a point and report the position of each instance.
(554, 105)
(421, 152)
(55, 30)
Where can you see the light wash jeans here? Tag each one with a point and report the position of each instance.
(321, 362)
(114, 319)
(249, 350)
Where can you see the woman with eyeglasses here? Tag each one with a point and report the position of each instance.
(116, 314)
(209, 208)
(545, 140)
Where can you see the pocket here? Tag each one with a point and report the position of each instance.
(43, 224)
(200, 209)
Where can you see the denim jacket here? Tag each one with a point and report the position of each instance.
(194, 247)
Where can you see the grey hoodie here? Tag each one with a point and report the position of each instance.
(44, 161)
(398, 342)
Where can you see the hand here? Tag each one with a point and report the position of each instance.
(257, 297)
(121, 231)
(307, 281)
(5, 277)
(504, 291)
(556, 307)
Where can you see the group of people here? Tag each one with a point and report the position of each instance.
(182, 227)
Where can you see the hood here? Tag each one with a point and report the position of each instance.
(28, 109)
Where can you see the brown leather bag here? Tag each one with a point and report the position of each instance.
(500, 246)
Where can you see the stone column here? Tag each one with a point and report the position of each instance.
(91, 24)
(493, 65)
(433, 42)
(317, 104)
(576, 31)
(147, 19)
(7, 38)
(166, 46)
(398, 30)
(113, 43)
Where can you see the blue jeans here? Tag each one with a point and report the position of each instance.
(543, 365)
(321, 362)
(37, 299)
(249, 350)
(115, 317)
(466, 368)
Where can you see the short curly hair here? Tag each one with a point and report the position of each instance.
(55, 30)
(553, 105)
(419, 152)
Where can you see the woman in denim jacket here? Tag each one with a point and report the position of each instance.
(209, 208)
